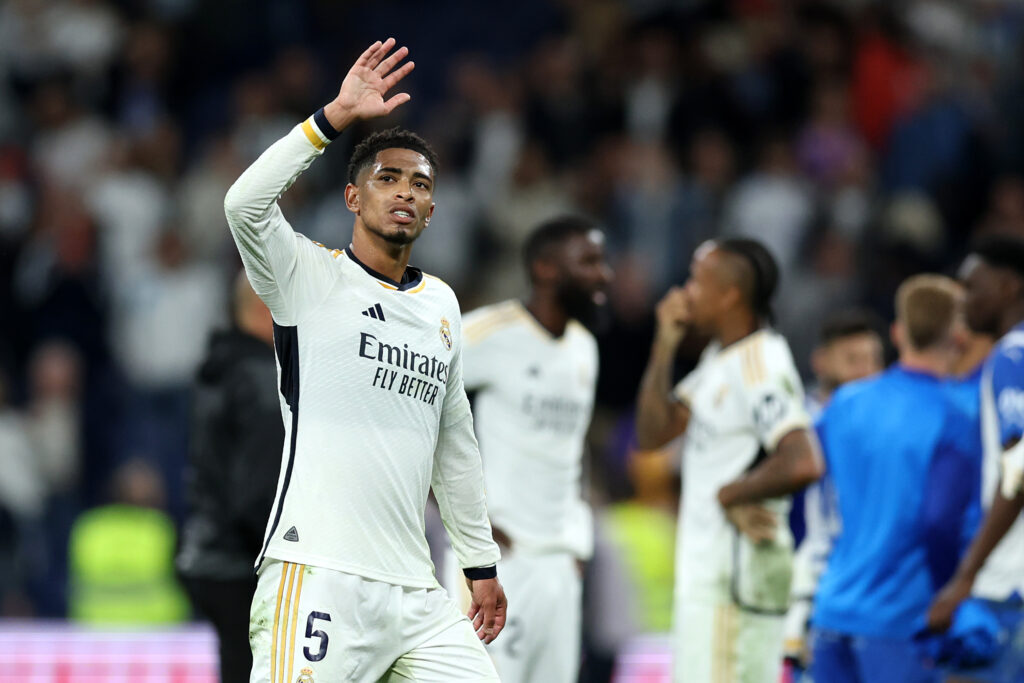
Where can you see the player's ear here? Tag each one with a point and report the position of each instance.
(430, 213)
(732, 296)
(543, 270)
(352, 198)
(897, 334)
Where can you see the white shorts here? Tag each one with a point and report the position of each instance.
(315, 625)
(717, 641)
(541, 639)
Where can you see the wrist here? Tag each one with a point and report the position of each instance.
(481, 573)
(665, 346)
(338, 116)
(725, 496)
(965, 577)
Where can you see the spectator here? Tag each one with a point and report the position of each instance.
(121, 556)
(237, 437)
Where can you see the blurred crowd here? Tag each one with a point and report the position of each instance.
(861, 141)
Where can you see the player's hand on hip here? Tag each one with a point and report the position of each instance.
(940, 614)
(362, 92)
(673, 315)
(488, 609)
(753, 521)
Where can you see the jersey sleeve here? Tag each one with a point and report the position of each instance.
(773, 392)
(458, 476)
(1008, 392)
(291, 273)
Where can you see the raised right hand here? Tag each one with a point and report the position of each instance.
(673, 315)
(362, 92)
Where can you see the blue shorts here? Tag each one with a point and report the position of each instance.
(845, 658)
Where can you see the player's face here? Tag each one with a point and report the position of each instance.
(854, 357)
(395, 196)
(982, 300)
(585, 275)
(706, 288)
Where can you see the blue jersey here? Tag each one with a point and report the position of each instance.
(966, 392)
(898, 452)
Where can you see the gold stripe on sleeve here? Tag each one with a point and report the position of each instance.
(284, 625)
(748, 367)
(301, 569)
(277, 615)
(314, 139)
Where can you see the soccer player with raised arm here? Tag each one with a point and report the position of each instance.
(749, 445)
(534, 367)
(993, 567)
(370, 365)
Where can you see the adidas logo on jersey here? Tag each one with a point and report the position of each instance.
(291, 535)
(375, 312)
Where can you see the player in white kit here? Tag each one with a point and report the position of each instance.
(748, 445)
(370, 367)
(534, 368)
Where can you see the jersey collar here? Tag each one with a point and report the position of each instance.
(410, 278)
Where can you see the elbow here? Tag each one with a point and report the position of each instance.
(650, 439)
(645, 441)
(809, 468)
(234, 206)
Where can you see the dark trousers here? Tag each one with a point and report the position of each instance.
(226, 605)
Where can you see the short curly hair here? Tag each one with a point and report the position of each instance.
(366, 151)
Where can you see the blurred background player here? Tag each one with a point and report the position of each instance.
(237, 438)
(749, 445)
(370, 365)
(534, 368)
(849, 348)
(993, 568)
(901, 442)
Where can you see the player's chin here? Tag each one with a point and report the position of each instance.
(401, 235)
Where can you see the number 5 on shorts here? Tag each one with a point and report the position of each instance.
(320, 635)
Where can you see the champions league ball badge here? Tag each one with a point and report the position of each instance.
(446, 334)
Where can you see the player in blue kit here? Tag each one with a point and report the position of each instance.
(896, 452)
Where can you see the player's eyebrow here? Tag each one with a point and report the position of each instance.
(398, 171)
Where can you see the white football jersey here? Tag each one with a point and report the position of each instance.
(743, 399)
(372, 396)
(535, 394)
(1001, 574)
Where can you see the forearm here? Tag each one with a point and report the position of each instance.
(657, 417)
(1000, 518)
(794, 465)
(459, 489)
(255, 193)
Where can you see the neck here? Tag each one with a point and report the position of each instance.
(549, 313)
(733, 328)
(1012, 316)
(385, 257)
(935, 363)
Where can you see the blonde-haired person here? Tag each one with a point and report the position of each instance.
(898, 452)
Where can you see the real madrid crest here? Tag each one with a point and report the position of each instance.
(446, 333)
(305, 676)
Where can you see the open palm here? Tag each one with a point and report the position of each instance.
(370, 78)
